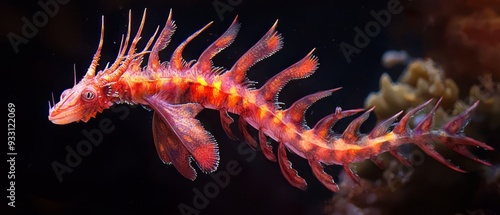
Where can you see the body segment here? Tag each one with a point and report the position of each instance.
(177, 90)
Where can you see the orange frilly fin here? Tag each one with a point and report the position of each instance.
(184, 133)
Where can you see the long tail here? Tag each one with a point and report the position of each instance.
(350, 146)
(354, 147)
(319, 145)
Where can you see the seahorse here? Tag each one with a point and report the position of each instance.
(177, 90)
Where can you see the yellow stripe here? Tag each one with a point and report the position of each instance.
(262, 111)
(202, 81)
(278, 117)
(217, 84)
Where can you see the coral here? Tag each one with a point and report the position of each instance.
(397, 188)
(421, 81)
(489, 94)
(402, 190)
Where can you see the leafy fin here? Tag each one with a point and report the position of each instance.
(204, 61)
(426, 123)
(322, 176)
(302, 69)
(266, 148)
(352, 175)
(382, 128)
(458, 123)
(226, 121)
(402, 126)
(242, 125)
(199, 142)
(170, 147)
(351, 133)
(176, 61)
(288, 171)
(270, 43)
(323, 126)
(295, 113)
(161, 42)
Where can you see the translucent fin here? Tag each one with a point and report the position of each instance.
(199, 142)
(161, 42)
(288, 171)
(266, 148)
(204, 61)
(176, 61)
(170, 148)
(351, 133)
(270, 43)
(302, 69)
(322, 176)
(226, 121)
(323, 126)
(402, 126)
(242, 124)
(382, 128)
(426, 123)
(295, 113)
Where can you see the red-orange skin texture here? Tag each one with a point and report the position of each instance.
(177, 90)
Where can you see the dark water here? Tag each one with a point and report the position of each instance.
(120, 173)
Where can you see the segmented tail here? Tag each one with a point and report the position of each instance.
(343, 149)
(180, 138)
(321, 145)
(351, 146)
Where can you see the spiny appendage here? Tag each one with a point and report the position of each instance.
(180, 145)
(268, 93)
(184, 143)
(381, 139)
(422, 135)
(123, 63)
(179, 137)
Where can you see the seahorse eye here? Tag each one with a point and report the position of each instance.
(88, 95)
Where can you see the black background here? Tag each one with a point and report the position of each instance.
(123, 175)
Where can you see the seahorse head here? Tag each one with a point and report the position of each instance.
(81, 102)
(94, 92)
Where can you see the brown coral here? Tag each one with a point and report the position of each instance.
(421, 81)
(489, 94)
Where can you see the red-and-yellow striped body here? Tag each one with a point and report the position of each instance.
(177, 90)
